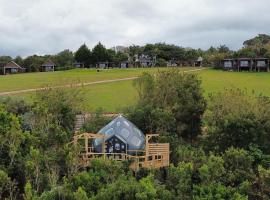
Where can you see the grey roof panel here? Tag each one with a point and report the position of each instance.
(124, 129)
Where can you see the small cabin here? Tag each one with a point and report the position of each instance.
(125, 131)
(172, 63)
(10, 68)
(121, 140)
(145, 61)
(102, 65)
(244, 64)
(261, 64)
(228, 64)
(124, 64)
(48, 66)
(198, 62)
(78, 65)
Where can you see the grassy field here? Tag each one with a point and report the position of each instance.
(36, 80)
(114, 96)
(217, 80)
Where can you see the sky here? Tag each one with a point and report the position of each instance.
(49, 26)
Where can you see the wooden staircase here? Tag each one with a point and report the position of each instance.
(80, 120)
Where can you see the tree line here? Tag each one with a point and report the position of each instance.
(258, 46)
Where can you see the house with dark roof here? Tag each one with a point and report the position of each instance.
(78, 64)
(244, 64)
(125, 64)
(10, 68)
(172, 63)
(145, 61)
(198, 62)
(228, 64)
(102, 65)
(48, 66)
(261, 64)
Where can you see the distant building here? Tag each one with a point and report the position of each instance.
(172, 63)
(10, 68)
(228, 64)
(78, 65)
(198, 62)
(145, 61)
(102, 65)
(125, 64)
(244, 64)
(261, 64)
(48, 66)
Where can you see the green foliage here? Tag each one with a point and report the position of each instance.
(169, 101)
(127, 188)
(161, 62)
(237, 119)
(261, 39)
(238, 165)
(213, 170)
(216, 192)
(180, 179)
(80, 194)
(11, 137)
(5, 59)
(99, 54)
(83, 55)
(5, 183)
(245, 52)
(15, 105)
(96, 122)
(264, 176)
(33, 63)
(64, 60)
(29, 194)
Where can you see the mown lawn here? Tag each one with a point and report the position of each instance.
(112, 97)
(39, 79)
(217, 80)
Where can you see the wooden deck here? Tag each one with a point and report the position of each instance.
(155, 155)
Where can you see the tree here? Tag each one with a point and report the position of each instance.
(170, 101)
(180, 179)
(11, 137)
(5, 59)
(99, 53)
(245, 52)
(120, 57)
(264, 177)
(257, 44)
(223, 49)
(7, 186)
(19, 60)
(235, 118)
(83, 55)
(33, 63)
(238, 166)
(64, 59)
(80, 194)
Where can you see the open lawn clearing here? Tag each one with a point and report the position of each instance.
(217, 80)
(115, 95)
(29, 81)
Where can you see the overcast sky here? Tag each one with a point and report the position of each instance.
(49, 26)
